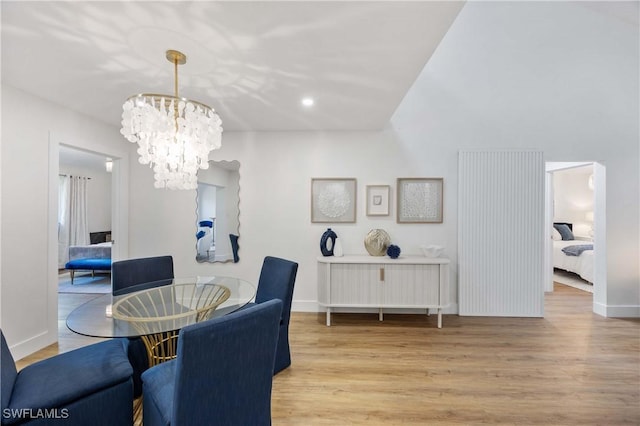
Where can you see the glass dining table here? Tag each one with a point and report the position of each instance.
(157, 311)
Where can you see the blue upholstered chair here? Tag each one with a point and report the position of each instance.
(222, 375)
(140, 273)
(87, 386)
(135, 272)
(277, 278)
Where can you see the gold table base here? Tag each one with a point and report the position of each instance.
(161, 347)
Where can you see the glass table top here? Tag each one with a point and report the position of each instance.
(160, 307)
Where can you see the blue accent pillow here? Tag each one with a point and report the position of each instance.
(565, 231)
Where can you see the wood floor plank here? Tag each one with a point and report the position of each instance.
(570, 368)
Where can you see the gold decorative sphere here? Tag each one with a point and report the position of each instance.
(376, 242)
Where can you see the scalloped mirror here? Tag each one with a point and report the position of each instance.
(218, 212)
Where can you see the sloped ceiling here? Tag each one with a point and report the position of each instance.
(251, 61)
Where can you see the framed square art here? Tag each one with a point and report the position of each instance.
(378, 200)
(333, 200)
(420, 200)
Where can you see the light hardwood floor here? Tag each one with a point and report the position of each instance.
(570, 368)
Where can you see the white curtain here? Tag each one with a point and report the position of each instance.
(72, 216)
(63, 221)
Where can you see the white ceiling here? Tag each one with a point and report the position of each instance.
(251, 61)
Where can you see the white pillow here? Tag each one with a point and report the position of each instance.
(556, 235)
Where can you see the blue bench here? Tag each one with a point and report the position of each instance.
(88, 264)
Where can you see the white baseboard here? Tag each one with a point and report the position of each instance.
(305, 306)
(31, 345)
(617, 311)
(600, 309)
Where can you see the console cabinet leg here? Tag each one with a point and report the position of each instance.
(328, 317)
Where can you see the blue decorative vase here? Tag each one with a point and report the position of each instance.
(327, 242)
(393, 251)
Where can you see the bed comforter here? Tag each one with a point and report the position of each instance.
(581, 265)
(92, 251)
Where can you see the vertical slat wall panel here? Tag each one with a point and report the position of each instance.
(501, 233)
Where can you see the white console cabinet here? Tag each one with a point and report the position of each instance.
(382, 282)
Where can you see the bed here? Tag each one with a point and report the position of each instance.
(581, 265)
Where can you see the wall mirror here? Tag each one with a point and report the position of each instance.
(218, 212)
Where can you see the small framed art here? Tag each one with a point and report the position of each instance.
(420, 200)
(378, 200)
(333, 200)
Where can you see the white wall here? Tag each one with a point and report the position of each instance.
(564, 81)
(560, 77)
(557, 77)
(275, 180)
(28, 285)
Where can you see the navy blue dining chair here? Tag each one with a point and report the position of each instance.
(277, 279)
(91, 385)
(153, 271)
(222, 375)
(137, 274)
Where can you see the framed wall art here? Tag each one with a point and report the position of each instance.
(420, 200)
(378, 200)
(333, 200)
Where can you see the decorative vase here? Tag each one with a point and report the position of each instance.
(337, 248)
(393, 251)
(376, 242)
(327, 242)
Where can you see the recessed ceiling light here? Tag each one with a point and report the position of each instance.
(307, 102)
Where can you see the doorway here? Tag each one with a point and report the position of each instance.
(84, 225)
(581, 207)
(119, 210)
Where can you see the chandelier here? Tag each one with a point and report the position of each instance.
(174, 135)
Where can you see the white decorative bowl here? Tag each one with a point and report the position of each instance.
(432, 250)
